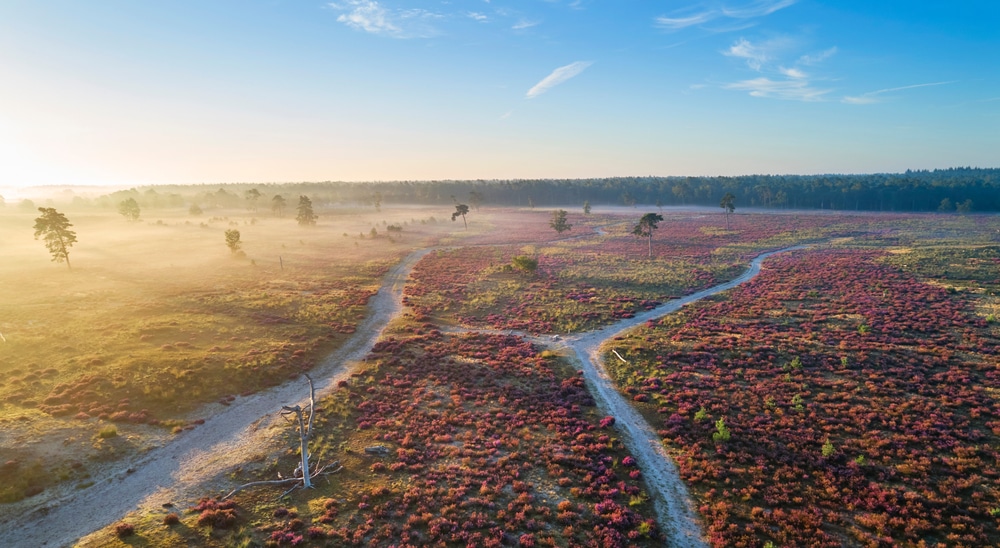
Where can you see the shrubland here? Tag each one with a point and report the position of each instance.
(482, 440)
(847, 395)
(857, 391)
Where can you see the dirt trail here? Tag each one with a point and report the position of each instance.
(195, 462)
(188, 465)
(676, 513)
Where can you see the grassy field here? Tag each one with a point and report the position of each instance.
(158, 317)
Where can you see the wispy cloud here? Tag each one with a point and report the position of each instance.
(792, 73)
(525, 24)
(757, 54)
(759, 8)
(818, 58)
(477, 16)
(791, 90)
(371, 16)
(789, 83)
(557, 77)
(699, 15)
(873, 96)
(675, 23)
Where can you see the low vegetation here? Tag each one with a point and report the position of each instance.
(454, 440)
(848, 409)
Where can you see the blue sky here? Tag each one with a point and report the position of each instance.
(129, 92)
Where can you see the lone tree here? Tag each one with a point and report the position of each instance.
(54, 227)
(647, 224)
(305, 215)
(586, 207)
(129, 209)
(278, 205)
(558, 222)
(461, 210)
(729, 204)
(233, 240)
(377, 200)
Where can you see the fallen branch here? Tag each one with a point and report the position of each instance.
(321, 471)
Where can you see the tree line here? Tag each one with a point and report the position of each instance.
(956, 189)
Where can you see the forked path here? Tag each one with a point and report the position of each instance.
(674, 508)
(186, 466)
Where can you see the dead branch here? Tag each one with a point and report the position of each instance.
(321, 471)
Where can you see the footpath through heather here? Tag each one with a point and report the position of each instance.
(195, 462)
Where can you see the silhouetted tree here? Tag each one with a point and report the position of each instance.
(129, 209)
(233, 240)
(729, 204)
(586, 207)
(460, 211)
(558, 221)
(644, 229)
(54, 228)
(305, 216)
(377, 200)
(195, 210)
(278, 205)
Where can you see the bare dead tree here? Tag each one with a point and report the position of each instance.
(304, 424)
(305, 429)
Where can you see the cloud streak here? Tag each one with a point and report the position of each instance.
(687, 18)
(791, 90)
(872, 96)
(558, 76)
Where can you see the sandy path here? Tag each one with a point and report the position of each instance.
(674, 508)
(193, 463)
(189, 464)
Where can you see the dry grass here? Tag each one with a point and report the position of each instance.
(157, 318)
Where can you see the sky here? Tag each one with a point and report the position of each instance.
(125, 92)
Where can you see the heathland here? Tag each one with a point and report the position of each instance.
(846, 395)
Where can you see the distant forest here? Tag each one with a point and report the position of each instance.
(950, 190)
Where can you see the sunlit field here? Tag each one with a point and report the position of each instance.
(158, 317)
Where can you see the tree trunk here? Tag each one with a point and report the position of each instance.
(304, 449)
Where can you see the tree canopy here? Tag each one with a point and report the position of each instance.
(305, 215)
(53, 227)
(645, 227)
(729, 204)
(558, 222)
(460, 211)
(129, 209)
(233, 240)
